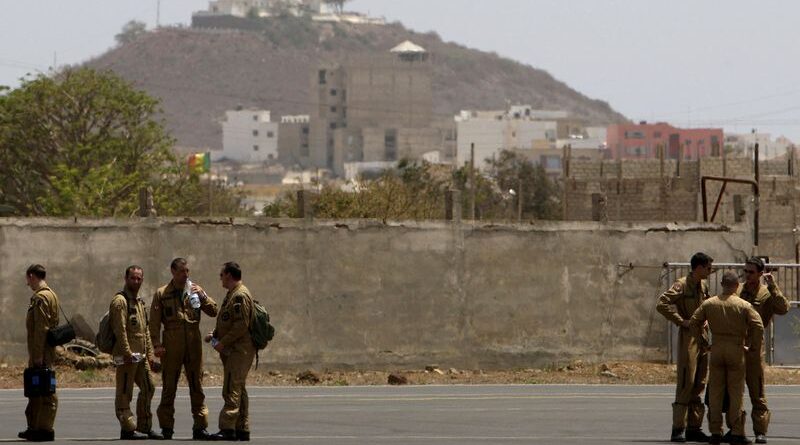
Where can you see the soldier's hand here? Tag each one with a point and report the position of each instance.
(155, 366)
(159, 351)
(219, 348)
(769, 279)
(196, 289)
(686, 324)
(208, 337)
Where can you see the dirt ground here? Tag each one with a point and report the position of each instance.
(620, 372)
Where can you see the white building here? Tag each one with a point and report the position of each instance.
(495, 131)
(248, 136)
(743, 144)
(238, 8)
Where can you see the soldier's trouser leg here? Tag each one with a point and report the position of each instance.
(144, 416)
(125, 378)
(755, 386)
(194, 375)
(171, 365)
(234, 414)
(688, 409)
(735, 362)
(716, 389)
(41, 412)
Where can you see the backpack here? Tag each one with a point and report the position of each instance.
(105, 340)
(261, 331)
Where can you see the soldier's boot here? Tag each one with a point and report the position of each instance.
(41, 436)
(696, 435)
(24, 434)
(152, 435)
(761, 438)
(716, 439)
(201, 434)
(740, 440)
(243, 436)
(132, 435)
(727, 437)
(677, 435)
(167, 433)
(224, 435)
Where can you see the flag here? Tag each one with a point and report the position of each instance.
(200, 163)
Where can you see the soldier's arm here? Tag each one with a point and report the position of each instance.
(779, 302)
(118, 316)
(240, 326)
(148, 343)
(155, 320)
(666, 303)
(39, 308)
(755, 329)
(209, 306)
(698, 320)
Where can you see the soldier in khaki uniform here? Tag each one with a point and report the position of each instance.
(181, 347)
(767, 300)
(42, 315)
(735, 327)
(677, 305)
(129, 322)
(232, 340)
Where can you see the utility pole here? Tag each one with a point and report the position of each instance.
(519, 198)
(158, 14)
(472, 181)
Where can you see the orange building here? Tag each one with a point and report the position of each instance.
(641, 141)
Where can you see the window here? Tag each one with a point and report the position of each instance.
(333, 125)
(333, 109)
(255, 117)
(255, 132)
(657, 134)
(634, 135)
(334, 93)
(323, 77)
(305, 130)
(255, 147)
(270, 134)
(390, 145)
(551, 162)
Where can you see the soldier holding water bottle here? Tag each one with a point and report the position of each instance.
(178, 306)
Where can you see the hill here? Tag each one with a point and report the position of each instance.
(267, 63)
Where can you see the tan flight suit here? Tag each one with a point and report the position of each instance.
(676, 305)
(233, 332)
(42, 315)
(734, 324)
(767, 301)
(129, 323)
(184, 348)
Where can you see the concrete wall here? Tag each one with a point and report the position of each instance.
(366, 295)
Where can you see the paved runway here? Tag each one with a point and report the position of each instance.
(503, 414)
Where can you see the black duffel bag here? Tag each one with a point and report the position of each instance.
(39, 382)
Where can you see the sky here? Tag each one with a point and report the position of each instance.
(722, 63)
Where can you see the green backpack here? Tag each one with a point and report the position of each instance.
(261, 331)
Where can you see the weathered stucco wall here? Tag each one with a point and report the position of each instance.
(365, 295)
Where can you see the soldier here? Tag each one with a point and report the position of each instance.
(677, 305)
(735, 327)
(181, 347)
(767, 300)
(232, 340)
(42, 315)
(132, 345)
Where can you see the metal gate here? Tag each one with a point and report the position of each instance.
(782, 338)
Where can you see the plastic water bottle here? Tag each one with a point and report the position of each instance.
(194, 299)
(120, 360)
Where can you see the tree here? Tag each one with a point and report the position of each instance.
(131, 31)
(539, 194)
(338, 5)
(83, 143)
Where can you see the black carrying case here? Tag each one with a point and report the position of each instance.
(39, 382)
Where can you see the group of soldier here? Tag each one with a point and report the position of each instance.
(734, 350)
(166, 337)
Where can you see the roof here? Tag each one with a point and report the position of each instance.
(408, 47)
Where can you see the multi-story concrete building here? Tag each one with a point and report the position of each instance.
(375, 108)
(743, 144)
(248, 136)
(641, 141)
(294, 144)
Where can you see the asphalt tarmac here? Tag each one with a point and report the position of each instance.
(475, 414)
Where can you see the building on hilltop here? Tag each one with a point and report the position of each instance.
(641, 141)
(318, 10)
(248, 136)
(376, 108)
(294, 140)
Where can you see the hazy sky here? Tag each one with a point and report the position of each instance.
(730, 63)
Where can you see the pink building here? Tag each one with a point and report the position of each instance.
(640, 141)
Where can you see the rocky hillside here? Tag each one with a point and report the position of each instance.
(200, 73)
